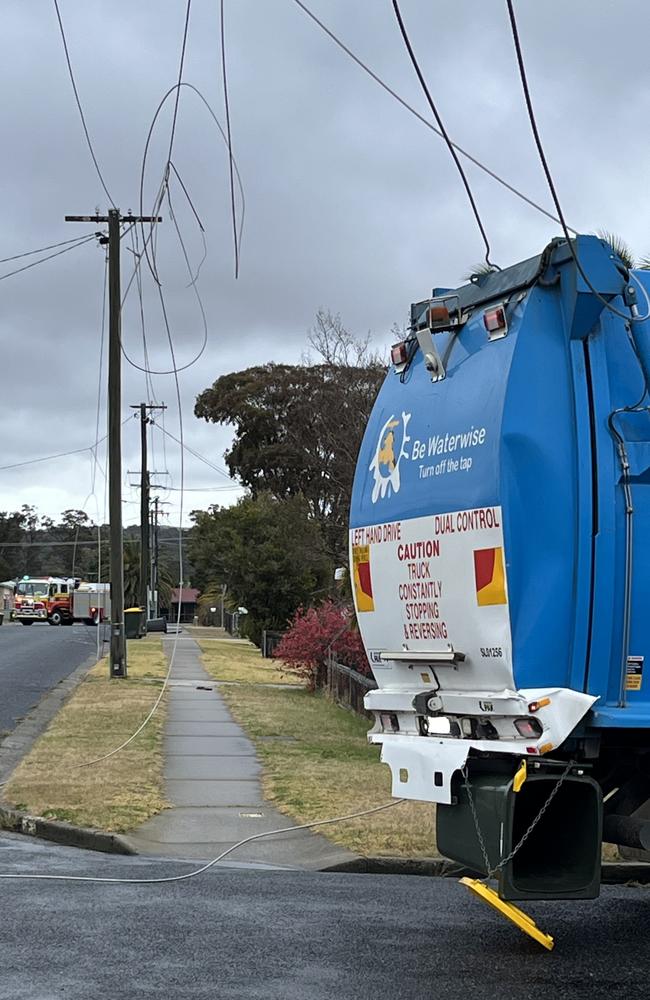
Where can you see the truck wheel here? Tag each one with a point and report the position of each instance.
(27, 621)
(56, 618)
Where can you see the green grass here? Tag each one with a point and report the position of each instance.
(117, 794)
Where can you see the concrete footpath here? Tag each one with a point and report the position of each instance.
(212, 779)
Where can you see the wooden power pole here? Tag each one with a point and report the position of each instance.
(118, 667)
(145, 541)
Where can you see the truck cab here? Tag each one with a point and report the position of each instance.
(44, 599)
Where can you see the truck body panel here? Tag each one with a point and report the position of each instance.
(496, 563)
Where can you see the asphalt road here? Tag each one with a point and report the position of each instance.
(275, 935)
(33, 660)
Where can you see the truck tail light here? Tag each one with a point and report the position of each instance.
(536, 705)
(529, 728)
(389, 722)
(495, 322)
(438, 317)
(399, 353)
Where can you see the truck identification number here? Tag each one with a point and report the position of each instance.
(491, 651)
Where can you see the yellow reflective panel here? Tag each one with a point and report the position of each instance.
(511, 912)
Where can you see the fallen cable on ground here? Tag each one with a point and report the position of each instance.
(210, 864)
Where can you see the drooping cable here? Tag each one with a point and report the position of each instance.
(93, 450)
(180, 80)
(175, 370)
(151, 259)
(99, 377)
(210, 864)
(629, 317)
(148, 380)
(79, 105)
(425, 121)
(194, 274)
(147, 238)
(443, 130)
(226, 102)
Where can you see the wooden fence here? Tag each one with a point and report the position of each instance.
(270, 640)
(347, 687)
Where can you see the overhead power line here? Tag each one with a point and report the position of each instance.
(52, 246)
(79, 105)
(180, 80)
(59, 454)
(35, 263)
(629, 316)
(148, 237)
(400, 100)
(226, 102)
(164, 184)
(161, 192)
(197, 454)
(45, 458)
(205, 489)
(443, 130)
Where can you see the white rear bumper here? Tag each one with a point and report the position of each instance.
(422, 766)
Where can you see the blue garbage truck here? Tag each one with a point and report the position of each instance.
(499, 553)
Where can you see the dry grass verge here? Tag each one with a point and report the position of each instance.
(114, 795)
(317, 763)
(236, 661)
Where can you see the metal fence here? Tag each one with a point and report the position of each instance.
(347, 687)
(231, 623)
(270, 640)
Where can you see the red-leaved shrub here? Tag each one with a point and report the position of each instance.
(313, 633)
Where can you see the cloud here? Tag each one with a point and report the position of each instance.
(351, 203)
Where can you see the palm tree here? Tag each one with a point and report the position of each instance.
(479, 271)
(165, 586)
(617, 243)
(620, 247)
(132, 578)
(131, 574)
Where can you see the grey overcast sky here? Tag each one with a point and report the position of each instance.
(351, 203)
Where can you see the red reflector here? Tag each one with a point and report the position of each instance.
(529, 728)
(532, 750)
(399, 353)
(536, 705)
(494, 319)
(438, 315)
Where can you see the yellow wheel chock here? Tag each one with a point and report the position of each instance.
(510, 912)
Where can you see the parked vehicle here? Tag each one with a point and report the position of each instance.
(60, 601)
(499, 533)
(43, 598)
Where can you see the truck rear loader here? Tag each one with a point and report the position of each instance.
(499, 549)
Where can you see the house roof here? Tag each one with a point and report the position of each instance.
(188, 595)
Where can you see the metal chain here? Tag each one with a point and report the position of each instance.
(491, 872)
(477, 825)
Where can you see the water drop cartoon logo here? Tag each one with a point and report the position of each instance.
(391, 449)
